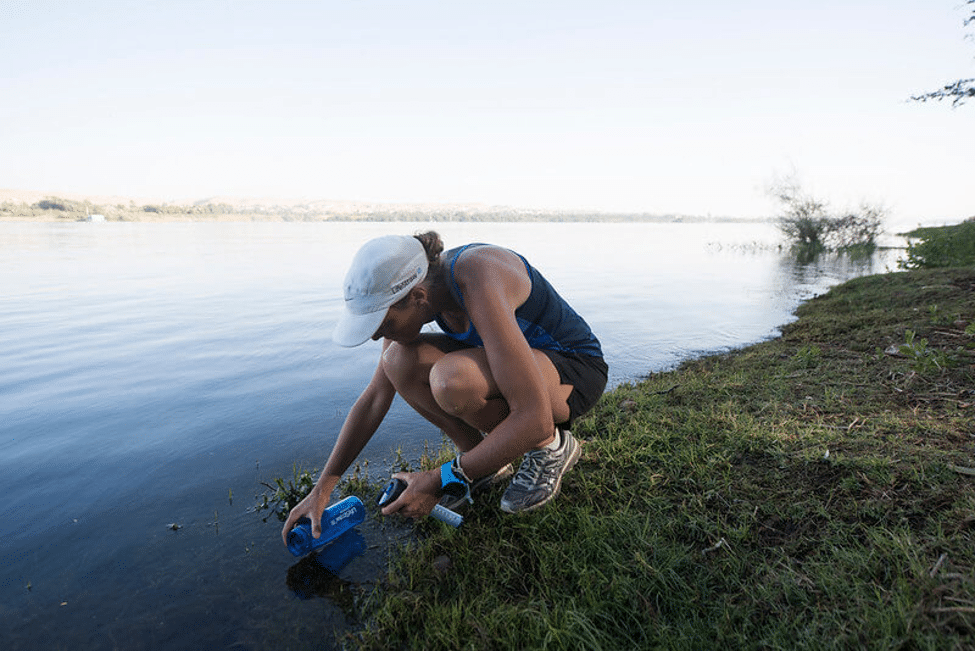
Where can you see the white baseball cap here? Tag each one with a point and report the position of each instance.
(383, 271)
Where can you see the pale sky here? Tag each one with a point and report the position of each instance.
(646, 106)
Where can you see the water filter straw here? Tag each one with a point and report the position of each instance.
(336, 519)
(445, 515)
(397, 486)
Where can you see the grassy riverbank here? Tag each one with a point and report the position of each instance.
(814, 491)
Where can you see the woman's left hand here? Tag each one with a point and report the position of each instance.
(419, 498)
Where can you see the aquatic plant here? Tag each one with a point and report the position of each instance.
(286, 493)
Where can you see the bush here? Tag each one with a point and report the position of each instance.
(808, 223)
(942, 246)
(50, 205)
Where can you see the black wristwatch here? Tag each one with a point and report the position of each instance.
(453, 483)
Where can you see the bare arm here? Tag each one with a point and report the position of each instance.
(494, 285)
(361, 423)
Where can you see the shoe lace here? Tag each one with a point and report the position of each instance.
(529, 469)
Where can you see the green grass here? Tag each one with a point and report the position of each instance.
(947, 246)
(815, 491)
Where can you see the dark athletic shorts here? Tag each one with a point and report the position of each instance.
(587, 374)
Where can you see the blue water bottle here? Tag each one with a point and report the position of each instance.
(336, 519)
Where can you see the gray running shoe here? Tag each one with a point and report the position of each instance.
(537, 481)
(455, 503)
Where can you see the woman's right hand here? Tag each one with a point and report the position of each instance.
(311, 508)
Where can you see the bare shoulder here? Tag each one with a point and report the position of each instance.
(489, 262)
(490, 268)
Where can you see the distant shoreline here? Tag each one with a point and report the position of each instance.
(555, 218)
(33, 206)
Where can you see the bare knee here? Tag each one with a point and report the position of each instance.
(458, 385)
(401, 363)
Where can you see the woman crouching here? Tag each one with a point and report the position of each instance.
(515, 362)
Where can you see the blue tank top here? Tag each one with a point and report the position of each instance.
(545, 318)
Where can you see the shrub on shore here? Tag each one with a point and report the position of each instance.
(948, 246)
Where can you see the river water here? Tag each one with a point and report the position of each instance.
(157, 373)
